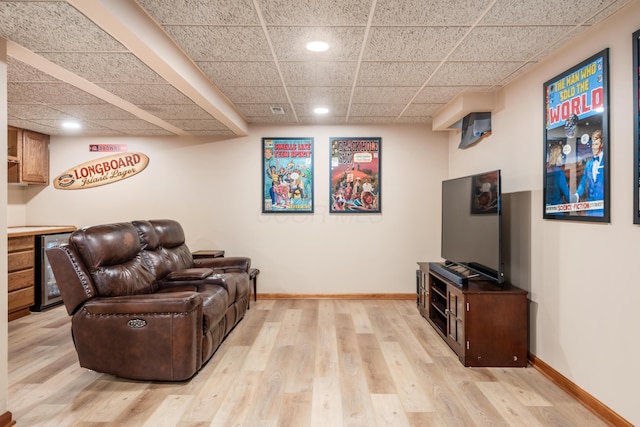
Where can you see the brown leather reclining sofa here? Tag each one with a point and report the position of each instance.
(142, 307)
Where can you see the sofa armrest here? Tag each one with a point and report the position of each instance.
(189, 274)
(145, 337)
(173, 302)
(74, 280)
(226, 265)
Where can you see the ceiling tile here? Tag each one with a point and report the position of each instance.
(516, 43)
(111, 67)
(547, 12)
(318, 73)
(382, 110)
(141, 94)
(272, 118)
(414, 120)
(315, 13)
(320, 94)
(411, 43)
(221, 43)
(422, 110)
(149, 132)
(218, 134)
(444, 94)
(201, 12)
(322, 120)
(371, 120)
(395, 73)
(433, 12)
(48, 93)
(515, 73)
(99, 111)
(241, 73)
(546, 50)
(31, 111)
(18, 71)
(55, 124)
(289, 43)
(191, 125)
(124, 124)
(384, 95)
(611, 8)
(251, 95)
(472, 73)
(53, 26)
(34, 126)
(105, 132)
(179, 111)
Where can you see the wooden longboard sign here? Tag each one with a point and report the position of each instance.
(102, 171)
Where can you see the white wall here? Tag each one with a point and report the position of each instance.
(214, 190)
(3, 242)
(16, 205)
(583, 289)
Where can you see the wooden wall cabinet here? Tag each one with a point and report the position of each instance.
(483, 324)
(20, 266)
(27, 157)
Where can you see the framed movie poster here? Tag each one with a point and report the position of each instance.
(287, 175)
(636, 127)
(355, 175)
(576, 142)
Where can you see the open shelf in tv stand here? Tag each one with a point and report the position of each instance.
(484, 324)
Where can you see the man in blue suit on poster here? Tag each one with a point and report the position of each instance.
(593, 176)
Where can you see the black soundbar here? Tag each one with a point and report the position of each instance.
(448, 273)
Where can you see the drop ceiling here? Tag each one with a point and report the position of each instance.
(213, 68)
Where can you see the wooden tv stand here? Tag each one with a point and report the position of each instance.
(484, 324)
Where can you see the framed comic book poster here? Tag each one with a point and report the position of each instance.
(576, 142)
(355, 175)
(287, 175)
(636, 127)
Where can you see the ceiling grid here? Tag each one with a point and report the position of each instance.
(214, 67)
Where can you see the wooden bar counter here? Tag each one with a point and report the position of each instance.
(21, 263)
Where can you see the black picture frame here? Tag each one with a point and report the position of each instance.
(287, 175)
(636, 127)
(576, 142)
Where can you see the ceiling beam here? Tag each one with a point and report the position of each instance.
(128, 23)
(462, 105)
(34, 60)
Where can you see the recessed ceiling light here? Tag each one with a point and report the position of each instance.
(321, 110)
(71, 125)
(317, 46)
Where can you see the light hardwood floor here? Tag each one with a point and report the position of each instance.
(289, 363)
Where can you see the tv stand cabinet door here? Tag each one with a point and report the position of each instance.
(496, 329)
(456, 314)
(422, 287)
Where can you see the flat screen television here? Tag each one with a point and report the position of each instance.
(472, 223)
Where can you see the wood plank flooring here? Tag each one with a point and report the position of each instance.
(288, 363)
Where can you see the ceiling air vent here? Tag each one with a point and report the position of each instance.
(277, 110)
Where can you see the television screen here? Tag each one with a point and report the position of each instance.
(471, 223)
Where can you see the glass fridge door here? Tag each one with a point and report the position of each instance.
(49, 288)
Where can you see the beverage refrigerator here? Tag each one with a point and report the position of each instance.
(47, 294)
